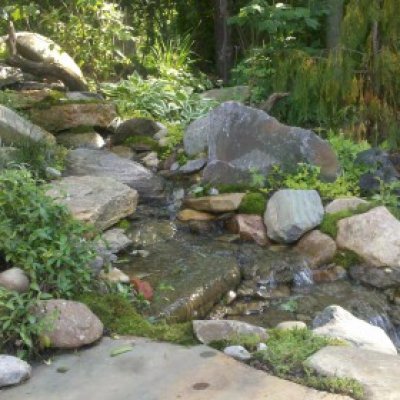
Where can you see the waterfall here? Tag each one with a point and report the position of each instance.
(384, 322)
(303, 277)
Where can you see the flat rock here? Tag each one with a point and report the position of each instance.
(249, 227)
(89, 140)
(344, 204)
(380, 278)
(14, 129)
(39, 48)
(71, 324)
(336, 322)
(378, 373)
(237, 352)
(116, 240)
(13, 371)
(215, 204)
(100, 201)
(61, 117)
(208, 331)
(102, 163)
(291, 213)
(374, 236)
(242, 139)
(318, 247)
(192, 215)
(155, 371)
(14, 279)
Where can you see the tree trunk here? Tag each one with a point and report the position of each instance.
(223, 44)
(333, 23)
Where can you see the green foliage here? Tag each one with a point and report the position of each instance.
(346, 258)
(119, 316)
(253, 203)
(142, 140)
(249, 342)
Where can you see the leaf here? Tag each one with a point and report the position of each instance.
(121, 350)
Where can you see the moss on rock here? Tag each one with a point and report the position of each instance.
(253, 203)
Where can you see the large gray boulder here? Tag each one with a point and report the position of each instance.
(101, 201)
(378, 373)
(39, 48)
(103, 163)
(13, 370)
(336, 322)
(374, 236)
(14, 129)
(241, 139)
(69, 324)
(292, 213)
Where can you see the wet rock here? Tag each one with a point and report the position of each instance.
(381, 278)
(237, 352)
(318, 247)
(249, 227)
(202, 227)
(193, 166)
(151, 161)
(330, 274)
(153, 232)
(123, 152)
(98, 200)
(338, 323)
(89, 140)
(251, 289)
(215, 204)
(101, 163)
(39, 48)
(244, 139)
(61, 117)
(72, 324)
(378, 373)
(208, 331)
(291, 325)
(344, 204)
(13, 370)
(115, 240)
(239, 308)
(14, 279)
(234, 93)
(374, 236)
(193, 215)
(115, 275)
(292, 213)
(134, 127)
(14, 129)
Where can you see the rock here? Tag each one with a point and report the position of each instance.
(100, 201)
(193, 166)
(143, 288)
(38, 48)
(330, 274)
(102, 163)
(292, 213)
(215, 204)
(374, 236)
(83, 96)
(378, 373)
(151, 160)
(242, 139)
(237, 352)
(262, 347)
(70, 324)
(381, 169)
(13, 370)
(249, 227)
(344, 204)
(7, 155)
(10, 75)
(14, 279)
(193, 215)
(338, 323)
(153, 232)
(134, 127)
(53, 173)
(89, 140)
(14, 129)
(318, 247)
(290, 325)
(234, 93)
(115, 240)
(61, 117)
(208, 331)
(123, 152)
(380, 278)
(115, 275)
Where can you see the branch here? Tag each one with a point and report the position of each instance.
(268, 104)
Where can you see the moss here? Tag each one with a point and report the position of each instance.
(123, 224)
(253, 203)
(142, 140)
(250, 342)
(346, 258)
(329, 223)
(233, 188)
(119, 316)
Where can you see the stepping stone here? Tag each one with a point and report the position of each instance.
(155, 371)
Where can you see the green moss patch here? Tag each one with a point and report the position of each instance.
(119, 316)
(253, 203)
(346, 258)
(143, 141)
(250, 342)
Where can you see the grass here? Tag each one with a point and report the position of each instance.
(120, 317)
(250, 342)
